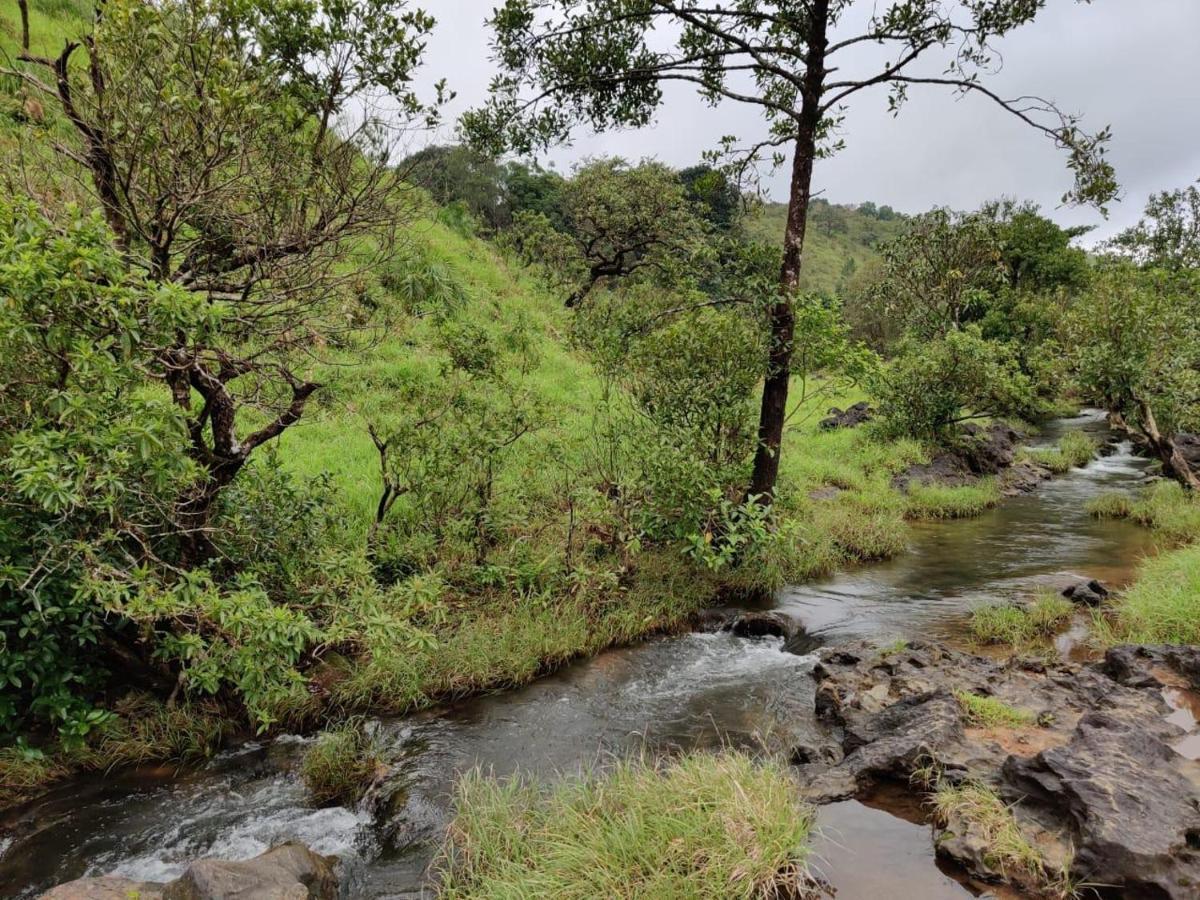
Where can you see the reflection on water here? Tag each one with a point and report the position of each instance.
(692, 691)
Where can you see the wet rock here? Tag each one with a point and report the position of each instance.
(848, 418)
(976, 452)
(109, 887)
(288, 872)
(1086, 593)
(1135, 817)
(1093, 779)
(710, 621)
(1023, 478)
(763, 624)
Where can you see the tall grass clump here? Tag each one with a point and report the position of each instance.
(1075, 449)
(341, 764)
(976, 808)
(989, 712)
(939, 501)
(1166, 507)
(703, 826)
(1018, 626)
(1162, 606)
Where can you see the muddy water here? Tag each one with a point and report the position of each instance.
(692, 691)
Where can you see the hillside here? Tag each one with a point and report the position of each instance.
(841, 239)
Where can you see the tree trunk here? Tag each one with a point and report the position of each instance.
(782, 320)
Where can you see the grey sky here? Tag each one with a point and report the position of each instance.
(1132, 64)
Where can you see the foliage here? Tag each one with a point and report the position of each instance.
(699, 826)
(1168, 235)
(989, 712)
(933, 385)
(1135, 348)
(341, 763)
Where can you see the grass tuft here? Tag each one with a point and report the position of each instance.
(988, 712)
(934, 501)
(1075, 449)
(703, 826)
(341, 764)
(978, 809)
(1019, 626)
(1167, 507)
(1163, 605)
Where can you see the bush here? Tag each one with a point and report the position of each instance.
(933, 385)
(704, 826)
(341, 764)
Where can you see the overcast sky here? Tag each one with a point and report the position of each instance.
(1131, 64)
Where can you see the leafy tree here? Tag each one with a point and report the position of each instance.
(716, 193)
(619, 220)
(532, 189)
(1037, 253)
(224, 145)
(1134, 341)
(604, 62)
(458, 173)
(941, 273)
(1168, 235)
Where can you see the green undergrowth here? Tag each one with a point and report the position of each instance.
(989, 712)
(1075, 449)
(138, 729)
(1022, 626)
(702, 826)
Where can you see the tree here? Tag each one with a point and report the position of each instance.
(1134, 339)
(225, 145)
(618, 219)
(457, 173)
(940, 274)
(1168, 235)
(715, 192)
(605, 63)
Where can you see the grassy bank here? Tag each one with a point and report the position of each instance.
(704, 826)
(1163, 603)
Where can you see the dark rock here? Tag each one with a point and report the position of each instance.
(1144, 666)
(1135, 817)
(288, 872)
(763, 624)
(1189, 447)
(849, 418)
(1086, 593)
(710, 621)
(1023, 478)
(977, 451)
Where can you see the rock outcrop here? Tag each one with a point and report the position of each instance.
(1089, 772)
(848, 418)
(288, 872)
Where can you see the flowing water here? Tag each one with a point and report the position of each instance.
(690, 691)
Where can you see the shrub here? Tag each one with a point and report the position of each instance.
(703, 826)
(341, 764)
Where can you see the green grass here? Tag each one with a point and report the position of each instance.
(1166, 507)
(935, 501)
(1075, 449)
(703, 826)
(1020, 626)
(341, 764)
(1162, 606)
(977, 809)
(988, 712)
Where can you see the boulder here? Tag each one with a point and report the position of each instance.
(1086, 593)
(1134, 816)
(848, 418)
(288, 872)
(1188, 446)
(988, 451)
(108, 887)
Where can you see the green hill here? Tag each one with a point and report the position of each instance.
(841, 239)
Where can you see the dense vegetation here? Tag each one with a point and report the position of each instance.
(293, 428)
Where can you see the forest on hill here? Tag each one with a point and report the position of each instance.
(298, 431)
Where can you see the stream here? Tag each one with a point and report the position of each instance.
(683, 692)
